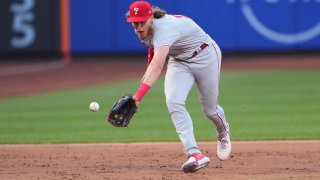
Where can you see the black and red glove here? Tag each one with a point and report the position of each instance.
(122, 111)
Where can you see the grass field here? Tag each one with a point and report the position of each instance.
(259, 106)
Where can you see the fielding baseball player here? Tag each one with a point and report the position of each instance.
(194, 58)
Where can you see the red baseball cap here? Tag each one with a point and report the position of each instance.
(139, 11)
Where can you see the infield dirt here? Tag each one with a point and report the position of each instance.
(249, 160)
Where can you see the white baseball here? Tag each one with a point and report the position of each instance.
(94, 106)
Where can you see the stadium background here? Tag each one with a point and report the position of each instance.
(100, 27)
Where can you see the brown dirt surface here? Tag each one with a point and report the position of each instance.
(249, 160)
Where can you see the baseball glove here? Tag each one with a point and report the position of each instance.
(122, 111)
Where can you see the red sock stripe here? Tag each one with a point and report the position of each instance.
(224, 126)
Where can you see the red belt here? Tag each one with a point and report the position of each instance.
(202, 47)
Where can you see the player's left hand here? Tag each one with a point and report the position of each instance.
(137, 102)
(122, 111)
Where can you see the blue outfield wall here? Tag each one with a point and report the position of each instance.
(99, 26)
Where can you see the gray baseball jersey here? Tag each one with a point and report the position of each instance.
(186, 38)
(182, 34)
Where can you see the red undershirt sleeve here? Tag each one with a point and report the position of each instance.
(150, 55)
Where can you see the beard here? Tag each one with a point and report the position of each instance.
(144, 34)
(141, 36)
(147, 41)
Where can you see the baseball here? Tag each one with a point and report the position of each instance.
(94, 106)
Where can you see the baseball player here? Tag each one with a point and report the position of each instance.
(194, 57)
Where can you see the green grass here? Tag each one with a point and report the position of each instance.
(259, 106)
